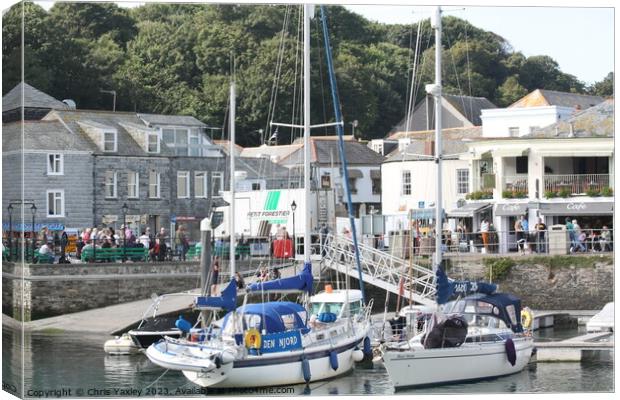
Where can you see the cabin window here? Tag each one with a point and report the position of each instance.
(289, 321)
(512, 314)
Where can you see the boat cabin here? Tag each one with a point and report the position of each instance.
(335, 301)
(267, 318)
(497, 310)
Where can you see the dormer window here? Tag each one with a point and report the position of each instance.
(152, 143)
(110, 142)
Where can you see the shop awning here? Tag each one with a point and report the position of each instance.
(355, 173)
(577, 208)
(468, 210)
(510, 209)
(375, 174)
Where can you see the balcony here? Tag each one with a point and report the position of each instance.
(570, 185)
(515, 187)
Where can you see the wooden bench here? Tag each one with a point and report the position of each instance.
(43, 258)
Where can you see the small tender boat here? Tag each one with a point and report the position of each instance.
(121, 345)
(603, 321)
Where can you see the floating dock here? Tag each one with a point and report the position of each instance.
(575, 349)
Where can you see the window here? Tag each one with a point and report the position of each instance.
(217, 180)
(513, 131)
(176, 139)
(376, 186)
(55, 164)
(154, 184)
(110, 184)
(196, 144)
(109, 142)
(183, 184)
(462, 181)
(200, 184)
(152, 143)
(533, 128)
(378, 147)
(326, 181)
(255, 185)
(55, 203)
(522, 165)
(133, 188)
(406, 183)
(352, 186)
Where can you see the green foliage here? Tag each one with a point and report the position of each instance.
(480, 195)
(564, 193)
(603, 88)
(176, 58)
(550, 194)
(607, 192)
(593, 192)
(497, 267)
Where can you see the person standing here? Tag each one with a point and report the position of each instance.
(605, 239)
(571, 235)
(526, 233)
(162, 247)
(541, 239)
(215, 276)
(64, 241)
(484, 231)
(519, 236)
(181, 241)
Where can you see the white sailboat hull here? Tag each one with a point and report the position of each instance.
(469, 362)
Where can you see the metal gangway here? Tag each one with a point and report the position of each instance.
(379, 268)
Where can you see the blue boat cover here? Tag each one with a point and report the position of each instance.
(447, 288)
(301, 282)
(227, 301)
(271, 316)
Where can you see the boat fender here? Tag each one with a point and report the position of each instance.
(305, 367)
(526, 318)
(183, 325)
(333, 360)
(511, 352)
(358, 355)
(253, 339)
(218, 362)
(367, 348)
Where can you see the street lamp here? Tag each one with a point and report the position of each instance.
(10, 210)
(33, 209)
(354, 125)
(124, 209)
(293, 208)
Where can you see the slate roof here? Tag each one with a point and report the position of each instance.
(161, 119)
(321, 152)
(281, 151)
(597, 121)
(127, 146)
(473, 132)
(543, 97)
(415, 151)
(42, 135)
(225, 144)
(33, 98)
(469, 107)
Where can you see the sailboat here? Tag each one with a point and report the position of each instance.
(477, 336)
(276, 343)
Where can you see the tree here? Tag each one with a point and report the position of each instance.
(604, 88)
(510, 91)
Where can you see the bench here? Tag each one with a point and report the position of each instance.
(43, 258)
(240, 251)
(114, 254)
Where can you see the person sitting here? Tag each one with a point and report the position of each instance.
(605, 239)
(275, 274)
(45, 252)
(581, 239)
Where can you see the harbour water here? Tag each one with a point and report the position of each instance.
(60, 365)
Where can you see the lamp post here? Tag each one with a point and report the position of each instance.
(124, 211)
(33, 209)
(10, 210)
(293, 208)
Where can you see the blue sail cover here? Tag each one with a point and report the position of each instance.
(300, 282)
(447, 288)
(227, 301)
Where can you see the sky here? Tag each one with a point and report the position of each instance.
(579, 39)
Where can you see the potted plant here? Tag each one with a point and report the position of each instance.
(551, 194)
(564, 193)
(593, 192)
(507, 194)
(607, 191)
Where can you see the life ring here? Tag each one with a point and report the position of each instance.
(252, 339)
(526, 318)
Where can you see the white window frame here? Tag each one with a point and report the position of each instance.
(460, 181)
(405, 186)
(183, 175)
(205, 184)
(58, 157)
(149, 135)
(156, 184)
(177, 132)
(136, 185)
(61, 192)
(513, 131)
(217, 176)
(115, 149)
(114, 185)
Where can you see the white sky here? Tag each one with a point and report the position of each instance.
(580, 39)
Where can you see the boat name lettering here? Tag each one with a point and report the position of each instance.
(284, 341)
(263, 214)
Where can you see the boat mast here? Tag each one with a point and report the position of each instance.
(307, 14)
(232, 179)
(436, 92)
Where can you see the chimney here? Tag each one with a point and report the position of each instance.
(429, 148)
(577, 108)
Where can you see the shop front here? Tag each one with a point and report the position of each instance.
(589, 215)
(506, 214)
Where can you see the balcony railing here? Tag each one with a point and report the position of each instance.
(515, 186)
(576, 184)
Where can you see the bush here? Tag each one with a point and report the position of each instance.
(564, 193)
(550, 194)
(480, 195)
(592, 192)
(519, 195)
(507, 194)
(498, 268)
